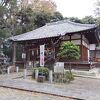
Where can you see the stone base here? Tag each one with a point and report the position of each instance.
(41, 78)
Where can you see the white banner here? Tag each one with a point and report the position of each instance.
(42, 55)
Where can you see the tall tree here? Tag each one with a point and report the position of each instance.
(97, 8)
(39, 5)
(88, 20)
(8, 10)
(25, 21)
(41, 18)
(9, 17)
(97, 13)
(14, 20)
(75, 19)
(56, 17)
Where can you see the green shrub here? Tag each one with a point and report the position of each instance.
(68, 77)
(42, 71)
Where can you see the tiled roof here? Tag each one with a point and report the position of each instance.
(53, 30)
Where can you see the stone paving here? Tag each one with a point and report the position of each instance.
(83, 88)
(13, 75)
(12, 94)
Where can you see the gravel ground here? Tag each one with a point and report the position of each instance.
(12, 94)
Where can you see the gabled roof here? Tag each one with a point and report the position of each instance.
(53, 30)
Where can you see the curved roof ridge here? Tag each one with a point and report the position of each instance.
(70, 22)
(80, 24)
(58, 22)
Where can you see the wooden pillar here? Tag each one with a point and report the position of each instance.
(94, 55)
(53, 51)
(70, 38)
(28, 55)
(25, 58)
(14, 53)
(53, 48)
(81, 47)
(88, 51)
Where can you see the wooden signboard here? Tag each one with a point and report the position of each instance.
(59, 67)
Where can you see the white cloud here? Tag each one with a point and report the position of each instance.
(76, 8)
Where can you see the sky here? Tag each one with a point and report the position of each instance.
(76, 8)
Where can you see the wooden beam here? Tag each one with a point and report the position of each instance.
(81, 47)
(70, 38)
(94, 55)
(28, 55)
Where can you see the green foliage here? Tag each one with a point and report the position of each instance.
(98, 20)
(19, 51)
(2, 11)
(88, 20)
(14, 20)
(25, 21)
(56, 17)
(98, 24)
(69, 51)
(47, 6)
(4, 32)
(7, 51)
(68, 77)
(41, 18)
(97, 8)
(74, 19)
(42, 71)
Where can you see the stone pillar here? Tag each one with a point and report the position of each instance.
(17, 69)
(50, 76)
(14, 53)
(36, 74)
(25, 73)
(8, 70)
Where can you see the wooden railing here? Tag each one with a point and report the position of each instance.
(80, 65)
